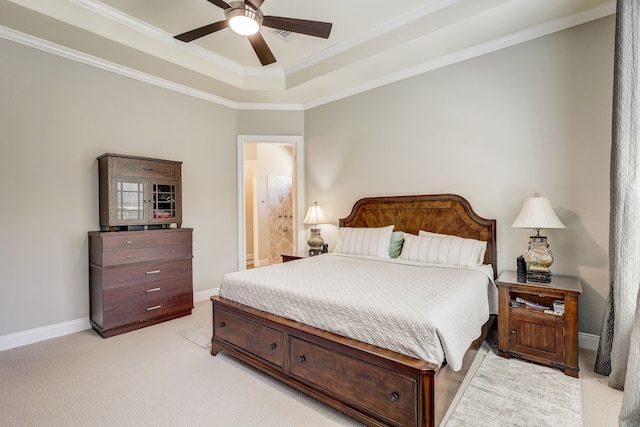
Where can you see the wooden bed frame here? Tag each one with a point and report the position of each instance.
(376, 386)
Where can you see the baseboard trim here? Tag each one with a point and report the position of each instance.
(205, 295)
(43, 333)
(588, 341)
(31, 336)
(260, 262)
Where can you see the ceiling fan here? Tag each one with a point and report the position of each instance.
(245, 18)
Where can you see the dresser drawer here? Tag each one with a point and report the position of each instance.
(112, 248)
(242, 333)
(141, 306)
(133, 256)
(142, 168)
(392, 395)
(110, 241)
(139, 273)
(152, 293)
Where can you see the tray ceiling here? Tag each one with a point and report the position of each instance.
(372, 43)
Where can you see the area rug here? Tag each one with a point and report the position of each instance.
(513, 392)
(199, 334)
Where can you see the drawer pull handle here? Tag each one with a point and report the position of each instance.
(152, 272)
(152, 290)
(222, 324)
(273, 346)
(393, 397)
(513, 332)
(148, 169)
(128, 256)
(173, 251)
(155, 307)
(301, 359)
(129, 242)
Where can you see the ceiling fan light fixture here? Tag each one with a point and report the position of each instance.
(243, 19)
(244, 25)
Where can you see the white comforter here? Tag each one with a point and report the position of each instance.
(428, 312)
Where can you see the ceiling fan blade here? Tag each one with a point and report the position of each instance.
(302, 26)
(262, 50)
(255, 3)
(220, 3)
(202, 31)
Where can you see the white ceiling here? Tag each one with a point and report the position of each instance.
(372, 42)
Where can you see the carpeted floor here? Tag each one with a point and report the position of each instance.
(156, 377)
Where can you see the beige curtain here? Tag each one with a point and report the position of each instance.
(619, 348)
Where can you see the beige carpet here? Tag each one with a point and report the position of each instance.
(156, 377)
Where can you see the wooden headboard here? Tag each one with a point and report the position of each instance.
(437, 213)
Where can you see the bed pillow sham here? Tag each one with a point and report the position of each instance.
(479, 246)
(435, 248)
(364, 241)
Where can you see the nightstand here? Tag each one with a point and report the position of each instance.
(288, 257)
(293, 257)
(526, 331)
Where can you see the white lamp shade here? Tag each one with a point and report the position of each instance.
(537, 213)
(315, 215)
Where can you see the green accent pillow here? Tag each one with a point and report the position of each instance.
(395, 247)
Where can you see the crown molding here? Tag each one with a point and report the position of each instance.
(606, 9)
(65, 52)
(537, 31)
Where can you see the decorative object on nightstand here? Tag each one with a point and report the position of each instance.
(315, 216)
(539, 321)
(538, 214)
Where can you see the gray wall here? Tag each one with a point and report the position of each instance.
(56, 117)
(495, 129)
(254, 122)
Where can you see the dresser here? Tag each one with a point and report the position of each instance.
(139, 278)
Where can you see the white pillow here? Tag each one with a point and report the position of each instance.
(364, 241)
(480, 245)
(443, 249)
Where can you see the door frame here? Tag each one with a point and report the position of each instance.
(254, 203)
(298, 142)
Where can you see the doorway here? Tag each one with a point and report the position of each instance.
(270, 202)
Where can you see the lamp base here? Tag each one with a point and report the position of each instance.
(315, 242)
(539, 256)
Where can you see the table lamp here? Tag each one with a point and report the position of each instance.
(315, 215)
(538, 214)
